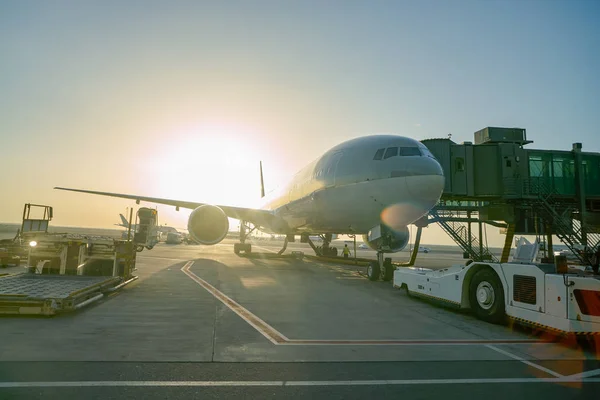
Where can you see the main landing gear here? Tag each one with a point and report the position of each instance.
(243, 246)
(381, 269)
(323, 251)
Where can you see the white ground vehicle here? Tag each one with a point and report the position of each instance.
(533, 294)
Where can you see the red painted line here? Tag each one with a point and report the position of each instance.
(412, 342)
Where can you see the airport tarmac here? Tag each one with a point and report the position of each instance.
(202, 321)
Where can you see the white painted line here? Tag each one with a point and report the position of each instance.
(534, 365)
(261, 326)
(586, 374)
(291, 383)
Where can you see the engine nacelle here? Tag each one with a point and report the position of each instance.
(386, 240)
(208, 225)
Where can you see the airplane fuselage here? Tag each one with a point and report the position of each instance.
(352, 187)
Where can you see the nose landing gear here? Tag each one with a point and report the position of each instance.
(381, 269)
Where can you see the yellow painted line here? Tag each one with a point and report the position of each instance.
(277, 338)
(261, 326)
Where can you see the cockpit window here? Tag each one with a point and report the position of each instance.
(410, 151)
(391, 152)
(379, 154)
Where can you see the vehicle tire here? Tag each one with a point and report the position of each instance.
(373, 272)
(486, 296)
(388, 270)
(149, 247)
(236, 248)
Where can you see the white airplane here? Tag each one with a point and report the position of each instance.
(373, 185)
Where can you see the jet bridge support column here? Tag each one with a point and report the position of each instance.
(510, 234)
(549, 246)
(415, 250)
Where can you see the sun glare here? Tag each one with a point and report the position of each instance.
(215, 164)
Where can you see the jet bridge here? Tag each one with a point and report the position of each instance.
(496, 181)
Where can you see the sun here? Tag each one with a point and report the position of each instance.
(216, 164)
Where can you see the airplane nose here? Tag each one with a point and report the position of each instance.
(427, 188)
(428, 184)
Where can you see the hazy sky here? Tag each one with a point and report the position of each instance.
(181, 99)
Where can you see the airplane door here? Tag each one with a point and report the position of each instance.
(332, 168)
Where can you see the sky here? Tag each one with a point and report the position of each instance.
(182, 99)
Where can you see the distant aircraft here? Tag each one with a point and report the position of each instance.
(373, 185)
(159, 228)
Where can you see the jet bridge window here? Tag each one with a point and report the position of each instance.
(379, 154)
(410, 151)
(390, 152)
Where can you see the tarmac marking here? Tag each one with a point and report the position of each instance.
(264, 248)
(409, 342)
(531, 364)
(164, 258)
(276, 337)
(586, 374)
(404, 382)
(261, 326)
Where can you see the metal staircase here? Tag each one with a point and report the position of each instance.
(559, 214)
(459, 232)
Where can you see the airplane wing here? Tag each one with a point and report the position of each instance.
(257, 217)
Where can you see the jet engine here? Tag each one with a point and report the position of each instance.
(208, 224)
(386, 240)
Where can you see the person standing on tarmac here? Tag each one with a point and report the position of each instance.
(346, 251)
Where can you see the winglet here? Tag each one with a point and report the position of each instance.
(262, 183)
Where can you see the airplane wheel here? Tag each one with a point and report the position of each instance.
(333, 251)
(236, 248)
(388, 270)
(248, 248)
(373, 272)
(486, 296)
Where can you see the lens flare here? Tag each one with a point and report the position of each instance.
(398, 216)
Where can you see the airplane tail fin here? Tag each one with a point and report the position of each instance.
(262, 183)
(124, 220)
